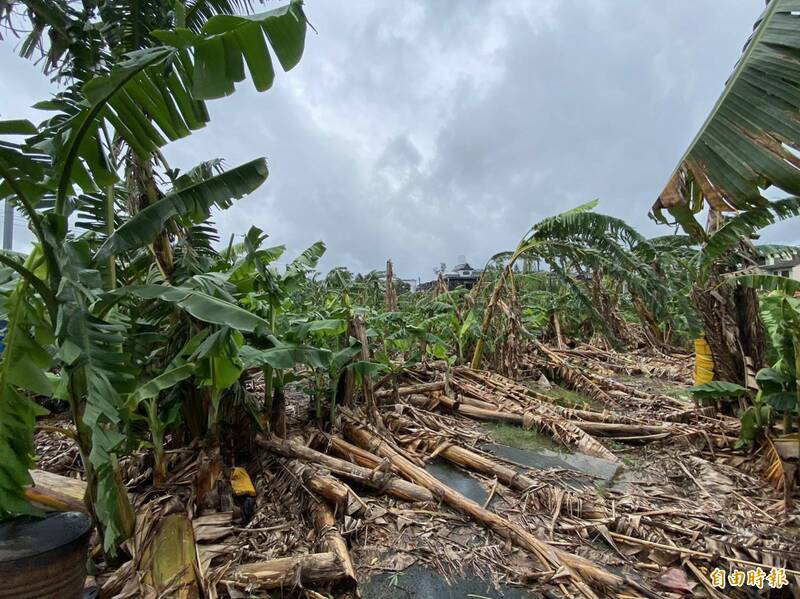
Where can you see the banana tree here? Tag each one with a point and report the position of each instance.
(150, 96)
(80, 330)
(779, 384)
(577, 236)
(731, 314)
(197, 51)
(748, 143)
(263, 290)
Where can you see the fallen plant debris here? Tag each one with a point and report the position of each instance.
(333, 509)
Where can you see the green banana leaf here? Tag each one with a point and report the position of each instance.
(194, 202)
(745, 144)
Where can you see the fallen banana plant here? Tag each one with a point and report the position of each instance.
(369, 478)
(584, 574)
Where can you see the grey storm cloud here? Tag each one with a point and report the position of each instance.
(424, 130)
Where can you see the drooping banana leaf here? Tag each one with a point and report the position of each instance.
(746, 143)
(744, 224)
(194, 201)
(285, 356)
(329, 327)
(18, 372)
(202, 306)
(156, 94)
(583, 223)
(99, 372)
(54, 22)
(764, 282)
(169, 378)
(226, 42)
(718, 389)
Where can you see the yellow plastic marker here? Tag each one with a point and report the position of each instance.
(241, 483)
(703, 362)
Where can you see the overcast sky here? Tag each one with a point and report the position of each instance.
(424, 130)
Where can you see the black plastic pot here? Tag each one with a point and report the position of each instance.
(44, 558)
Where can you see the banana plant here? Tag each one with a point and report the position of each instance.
(84, 324)
(747, 144)
(750, 138)
(779, 384)
(147, 396)
(265, 291)
(577, 236)
(145, 98)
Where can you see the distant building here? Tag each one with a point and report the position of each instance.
(412, 284)
(784, 268)
(462, 275)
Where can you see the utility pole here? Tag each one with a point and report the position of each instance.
(8, 225)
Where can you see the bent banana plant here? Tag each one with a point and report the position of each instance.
(567, 234)
(751, 137)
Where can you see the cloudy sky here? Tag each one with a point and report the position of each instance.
(424, 130)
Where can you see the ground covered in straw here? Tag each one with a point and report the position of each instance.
(613, 484)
